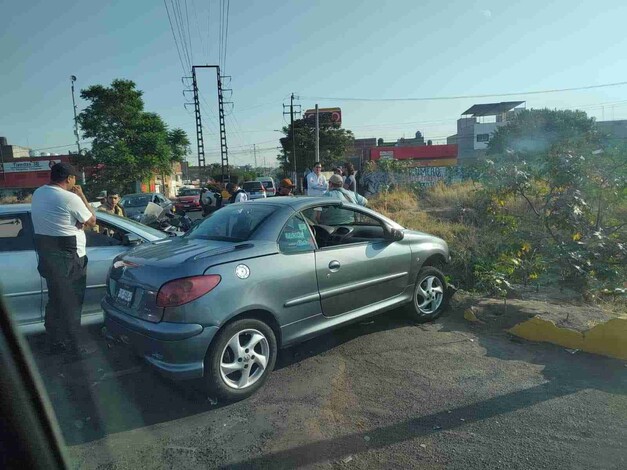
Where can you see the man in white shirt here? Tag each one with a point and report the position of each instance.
(316, 182)
(60, 211)
(237, 193)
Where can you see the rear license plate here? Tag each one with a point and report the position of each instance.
(125, 296)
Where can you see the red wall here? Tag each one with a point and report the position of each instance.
(28, 179)
(413, 153)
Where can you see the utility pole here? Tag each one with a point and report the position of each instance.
(317, 135)
(291, 113)
(78, 143)
(224, 150)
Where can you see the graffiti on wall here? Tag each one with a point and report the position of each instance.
(377, 181)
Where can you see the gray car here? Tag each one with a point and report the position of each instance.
(257, 276)
(135, 204)
(24, 290)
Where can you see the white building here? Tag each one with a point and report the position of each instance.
(477, 125)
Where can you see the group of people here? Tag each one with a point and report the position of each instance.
(341, 185)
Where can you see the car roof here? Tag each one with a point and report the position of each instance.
(140, 194)
(298, 202)
(122, 222)
(9, 208)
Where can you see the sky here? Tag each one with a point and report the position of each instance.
(324, 51)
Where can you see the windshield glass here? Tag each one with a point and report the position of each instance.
(127, 223)
(189, 192)
(252, 186)
(232, 223)
(136, 201)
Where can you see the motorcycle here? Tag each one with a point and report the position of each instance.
(157, 217)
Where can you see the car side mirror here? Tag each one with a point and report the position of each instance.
(131, 239)
(394, 234)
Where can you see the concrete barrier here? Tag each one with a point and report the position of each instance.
(608, 338)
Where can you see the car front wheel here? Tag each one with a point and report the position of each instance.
(240, 359)
(429, 299)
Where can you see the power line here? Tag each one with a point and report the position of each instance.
(174, 36)
(462, 97)
(189, 33)
(226, 34)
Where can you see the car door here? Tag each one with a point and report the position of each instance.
(19, 279)
(360, 272)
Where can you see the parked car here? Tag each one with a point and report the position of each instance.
(207, 304)
(254, 189)
(135, 204)
(188, 199)
(24, 290)
(268, 184)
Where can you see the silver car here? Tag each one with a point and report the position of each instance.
(24, 290)
(255, 277)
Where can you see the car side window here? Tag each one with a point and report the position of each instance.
(16, 233)
(296, 236)
(104, 234)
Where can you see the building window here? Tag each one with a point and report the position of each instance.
(483, 137)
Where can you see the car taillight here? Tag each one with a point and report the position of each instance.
(182, 291)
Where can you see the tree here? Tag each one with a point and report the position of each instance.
(129, 144)
(334, 142)
(572, 180)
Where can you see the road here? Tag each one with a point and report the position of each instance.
(386, 393)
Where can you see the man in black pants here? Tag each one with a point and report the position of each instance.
(60, 211)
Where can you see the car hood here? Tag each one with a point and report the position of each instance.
(133, 211)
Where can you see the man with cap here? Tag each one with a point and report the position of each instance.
(335, 215)
(111, 205)
(60, 212)
(286, 187)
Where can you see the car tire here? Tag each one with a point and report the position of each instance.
(430, 296)
(225, 368)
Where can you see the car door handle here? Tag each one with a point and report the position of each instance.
(334, 265)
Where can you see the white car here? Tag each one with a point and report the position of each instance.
(269, 184)
(24, 290)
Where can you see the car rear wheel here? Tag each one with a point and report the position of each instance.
(240, 359)
(430, 297)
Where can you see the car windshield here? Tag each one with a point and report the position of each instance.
(189, 192)
(136, 201)
(267, 184)
(251, 186)
(233, 223)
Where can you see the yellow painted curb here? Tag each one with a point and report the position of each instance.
(607, 339)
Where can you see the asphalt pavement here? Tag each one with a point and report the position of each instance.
(386, 393)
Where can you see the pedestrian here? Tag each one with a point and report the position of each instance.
(350, 182)
(59, 213)
(338, 215)
(111, 205)
(337, 190)
(286, 187)
(211, 200)
(237, 193)
(316, 182)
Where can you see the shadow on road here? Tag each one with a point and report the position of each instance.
(565, 374)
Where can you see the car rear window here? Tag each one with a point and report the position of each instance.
(252, 186)
(267, 184)
(232, 223)
(189, 192)
(136, 201)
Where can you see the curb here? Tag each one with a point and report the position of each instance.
(607, 339)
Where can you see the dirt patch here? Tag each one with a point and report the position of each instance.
(504, 314)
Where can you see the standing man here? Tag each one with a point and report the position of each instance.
(60, 211)
(286, 187)
(237, 193)
(316, 182)
(112, 206)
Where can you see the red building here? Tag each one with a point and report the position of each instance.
(27, 173)
(421, 155)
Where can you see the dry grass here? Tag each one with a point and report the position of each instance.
(441, 195)
(394, 202)
(15, 200)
